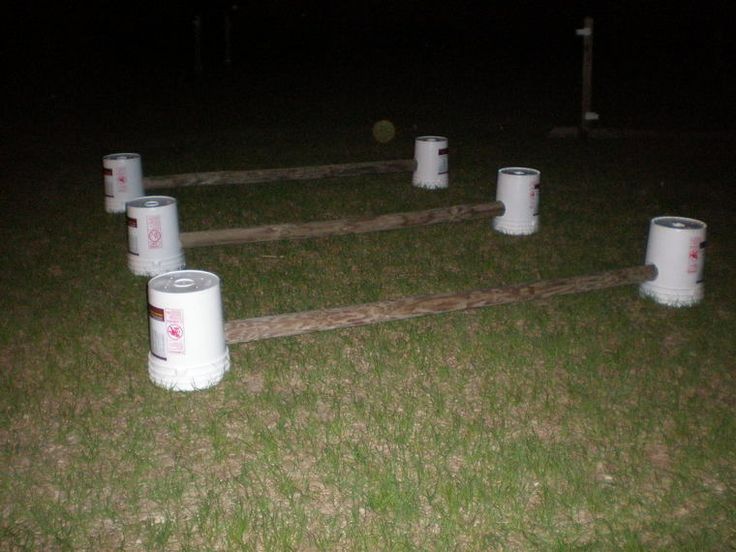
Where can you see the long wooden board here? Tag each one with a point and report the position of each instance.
(281, 325)
(275, 175)
(359, 225)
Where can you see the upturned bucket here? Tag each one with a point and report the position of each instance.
(430, 154)
(123, 176)
(154, 246)
(518, 189)
(187, 336)
(676, 246)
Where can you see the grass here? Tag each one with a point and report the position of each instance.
(599, 421)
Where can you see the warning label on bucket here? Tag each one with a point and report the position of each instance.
(153, 226)
(121, 178)
(534, 200)
(442, 165)
(109, 182)
(157, 331)
(132, 235)
(174, 331)
(693, 255)
(166, 328)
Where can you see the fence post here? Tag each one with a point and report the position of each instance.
(587, 115)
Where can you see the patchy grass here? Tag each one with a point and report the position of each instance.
(588, 421)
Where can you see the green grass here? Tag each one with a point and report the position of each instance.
(598, 421)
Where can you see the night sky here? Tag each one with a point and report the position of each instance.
(676, 46)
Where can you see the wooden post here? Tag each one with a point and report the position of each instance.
(339, 227)
(275, 175)
(587, 114)
(281, 325)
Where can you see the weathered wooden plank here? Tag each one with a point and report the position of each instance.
(275, 175)
(281, 325)
(358, 225)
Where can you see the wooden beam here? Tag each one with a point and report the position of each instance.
(586, 103)
(276, 175)
(359, 225)
(281, 325)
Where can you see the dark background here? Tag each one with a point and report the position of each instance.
(655, 63)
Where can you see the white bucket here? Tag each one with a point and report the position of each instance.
(153, 236)
(430, 154)
(518, 189)
(188, 349)
(676, 246)
(123, 175)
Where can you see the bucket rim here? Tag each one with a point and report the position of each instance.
(679, 224)
(140, 201)
(519, 171)
(123, 156)
(431, 138)
(211, 279)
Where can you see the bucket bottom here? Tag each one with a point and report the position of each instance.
(673, 297)
(114, 207)
(153, 267)
(431, 184)
(188, 378)
(515, 228)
